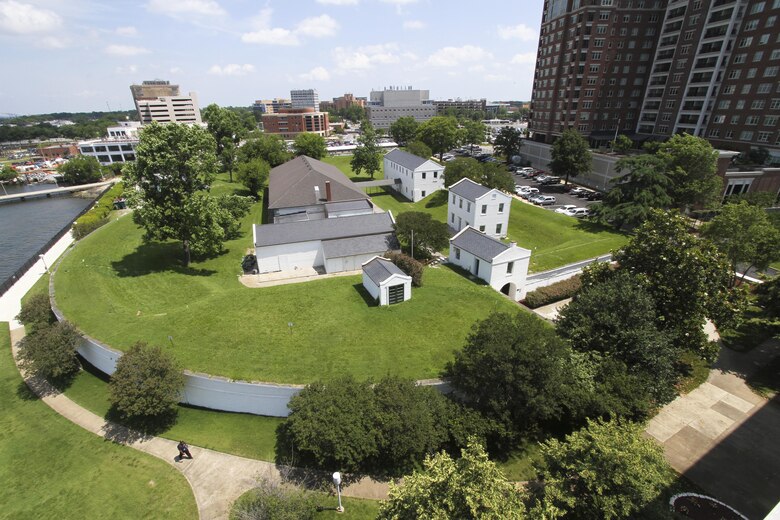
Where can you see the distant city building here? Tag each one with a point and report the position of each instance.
(271, 106)
(154, 89)
(160, 101)
(327, 106)
(348, 100)
(59, 151)
(460, 105)
(118, 147)
(307, 98)
(289, 122)
(386, 106)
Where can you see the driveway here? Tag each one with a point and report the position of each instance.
(561, 198)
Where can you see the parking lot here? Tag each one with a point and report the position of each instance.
(561, 197)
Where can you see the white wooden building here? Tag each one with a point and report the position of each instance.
(486, 209)
(386, 282)
(418, 176)
(503, 266)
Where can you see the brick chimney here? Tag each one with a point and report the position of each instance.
(328, 194)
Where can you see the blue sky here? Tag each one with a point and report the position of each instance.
(82, 55)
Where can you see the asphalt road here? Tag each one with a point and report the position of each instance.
(561, 198)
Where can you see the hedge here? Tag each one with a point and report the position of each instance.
(553, 293)
(98, 215)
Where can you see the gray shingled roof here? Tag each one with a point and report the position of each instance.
(377, 244)
(478, 244)
(468, 189)
(380, 269)
(292, 184)
(405, 159)
(348, 205)
(323, 229)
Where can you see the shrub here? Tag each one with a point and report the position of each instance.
(50, 351)
(270, 501)
(98, 215)
(147, 383)
(408, 265)
(553, 293)
(36, 312)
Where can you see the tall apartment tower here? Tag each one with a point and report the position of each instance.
(160, 101)
(307, 98)
(660, 67)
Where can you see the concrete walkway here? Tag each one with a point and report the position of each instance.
(723, 437)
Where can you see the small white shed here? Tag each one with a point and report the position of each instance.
(386, 282)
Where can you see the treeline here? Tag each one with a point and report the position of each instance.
(87, 125)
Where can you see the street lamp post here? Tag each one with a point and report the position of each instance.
(44, 262)
(337, 481)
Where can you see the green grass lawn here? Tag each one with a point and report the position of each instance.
(342, 162)
(53, 469)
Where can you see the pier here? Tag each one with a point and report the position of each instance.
(21, 197)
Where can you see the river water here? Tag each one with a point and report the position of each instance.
(27, 226)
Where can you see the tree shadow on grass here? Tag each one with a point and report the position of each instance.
(589, 226)
(464, 273)
(156, 257)
(437, 199)
(124, 430)
(25, 393)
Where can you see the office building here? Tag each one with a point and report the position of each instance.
(117, 147)
(386, 106)
(307, 98)
(289, 122)
(348, 100)
(270, 106)
(460, 105)
(653, 68)
(154, 89)
(160, 101)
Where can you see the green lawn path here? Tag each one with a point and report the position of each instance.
(53, 469)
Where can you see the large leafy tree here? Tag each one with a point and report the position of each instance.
(440, 134)
(508, 142)
(420, 233)
(268, 147)
(472, 132)
(81, 169)
(404, 129)
(228, 129)
(147, 383)
(253, 175)
(7, 173)
(494, 175)
(513, 369)
(570, 155)
(174, 168)
(471, 487)
(688, 278)
(419, 149)
(608, 470)
(50, 351)
(36, 312)
(691, 163)
(310, 144)
(642, 186)
(745, 235)
(462, 167)
(367, 155)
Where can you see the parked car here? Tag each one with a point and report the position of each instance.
(551, 180)
(595, 195)
(565, 208)
(541, 178)
(533, 196)
(583, 193)
(530, 192)
(544, 200)
(577, 212)
(526, 169)
(577, 191)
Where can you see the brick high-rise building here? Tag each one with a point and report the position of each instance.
(658, 67)
(289, 122)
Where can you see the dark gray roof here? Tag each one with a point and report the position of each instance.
(348, 205)
(323, 229)
(377, 244)
(468, 189)
(380, 269)
(478, 244)
(292, 184)
(405, 159)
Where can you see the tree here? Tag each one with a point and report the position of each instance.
(745, 235)
(174, 165)
(36, 312)
(688, 278)
(7, 173)
(268, 147)
(50, 351)
(513, 369)
(692, 165)
(419, 149)
(408, 265)
(367, 155)
(508, 142)
(81, 169)
(472, 132)
(570, 155)
(227, 128)
(642, 188)
(617, 319)
(494, 175)
(607, 470)
(147, 383)
(403, 130)
(471, 487)
(310, 144)
(253, 175)
(421, 233)
(272, 500)
(462, 167)
(439, 133)
(622, 144)
(228, 212)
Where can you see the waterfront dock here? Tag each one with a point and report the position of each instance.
(21, 197)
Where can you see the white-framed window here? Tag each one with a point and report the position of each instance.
(498, 229)
(501, 207)
(763, 137)
(746, 135)
(758, 104)
(510, 267)
(468, 207)
(460, 203)
(484, 209)
(452, 217)
(770, 121)
(752, 120)
(457, 253)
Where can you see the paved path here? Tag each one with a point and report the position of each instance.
(217, 479)
(723, 437)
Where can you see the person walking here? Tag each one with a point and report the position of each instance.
(184, 450)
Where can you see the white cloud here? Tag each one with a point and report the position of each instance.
(130, 69)
(19, 18)
(186, 7)
(176, 70)
(496, 77)
(125, 50)
(127, 31)
(316, 74)
(317, 26)
(232, 69)
(414, 24)
(400, 2)
(454, 56)
(366, 57)
(517, 32)
(53, 42)
(338, 2)
(524, 58)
